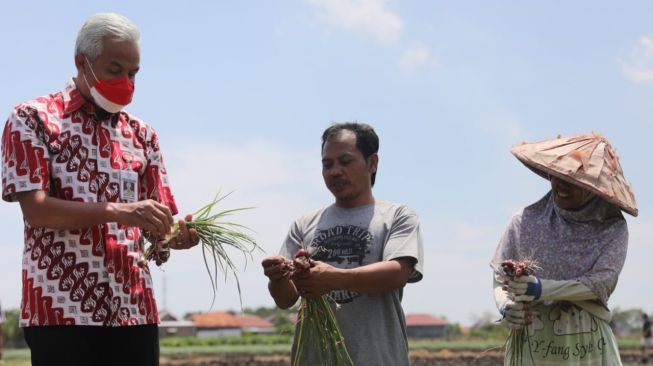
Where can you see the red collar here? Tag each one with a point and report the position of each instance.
(73, 100)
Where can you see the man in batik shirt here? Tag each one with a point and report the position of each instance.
(87, 295)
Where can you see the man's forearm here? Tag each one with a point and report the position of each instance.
(283, 292)
(40, 210)
(374, 278)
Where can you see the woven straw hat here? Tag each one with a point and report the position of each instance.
(587, 161)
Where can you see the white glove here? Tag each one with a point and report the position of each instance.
(524, 288)
(517, 315)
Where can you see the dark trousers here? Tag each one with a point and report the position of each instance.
(93, 345)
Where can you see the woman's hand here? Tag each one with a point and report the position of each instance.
(517, 315)
(524, 288)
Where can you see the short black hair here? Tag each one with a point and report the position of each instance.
(367, 141)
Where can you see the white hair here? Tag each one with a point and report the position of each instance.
(90, 38)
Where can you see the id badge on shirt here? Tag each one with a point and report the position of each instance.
(128, 185)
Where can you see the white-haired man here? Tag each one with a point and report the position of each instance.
(87, 297)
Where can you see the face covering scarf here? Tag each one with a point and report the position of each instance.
(111, 95)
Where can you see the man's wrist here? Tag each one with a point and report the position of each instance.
(112, 211)
(278, 281)
(339, 278)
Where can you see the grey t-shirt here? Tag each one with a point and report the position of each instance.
(373, 325)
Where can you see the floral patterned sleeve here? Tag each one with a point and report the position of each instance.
(155, 180)
(508, 244)
(24, 154)
(602, 278)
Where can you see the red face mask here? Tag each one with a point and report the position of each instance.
(111, 95)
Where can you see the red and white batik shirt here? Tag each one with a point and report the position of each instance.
(58, 144)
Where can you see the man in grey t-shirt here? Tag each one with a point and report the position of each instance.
(365, 251)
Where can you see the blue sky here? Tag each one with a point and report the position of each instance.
(241, 91)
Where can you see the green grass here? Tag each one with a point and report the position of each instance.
(229, 345)
(21, 357)
(256, 348)
(438, 344)
(245, 340)
(16, 357)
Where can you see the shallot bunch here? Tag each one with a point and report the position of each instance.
(317, 324)
(216, 234)
(515, 269)
(518, 337)
(301, 263)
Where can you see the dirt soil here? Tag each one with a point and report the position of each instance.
(418, 358)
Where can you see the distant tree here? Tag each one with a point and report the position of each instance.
(626, 322)
(489, 331)
(486, 326)
(261, 311)
(189, 315)
(487, 317)
(454, 330)
(282, 323)
(13, 334)
(279, 317)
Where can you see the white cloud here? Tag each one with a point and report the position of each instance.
(506, 128)
(416, 57)
(198, 170)
(638, 66)
(374, 18)
(371, 17)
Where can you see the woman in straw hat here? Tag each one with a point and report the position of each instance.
(573, 242)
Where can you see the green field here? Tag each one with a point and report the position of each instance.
(16, 357)
(20, 357)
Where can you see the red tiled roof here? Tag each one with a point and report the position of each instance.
(253, 321)
(216, 319)
(421, 320)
